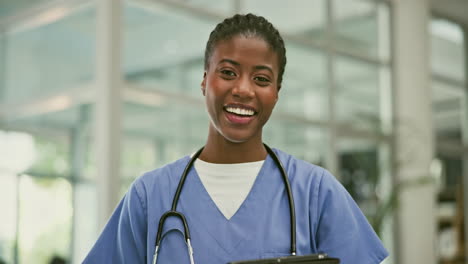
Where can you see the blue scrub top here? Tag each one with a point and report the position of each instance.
(328, 220)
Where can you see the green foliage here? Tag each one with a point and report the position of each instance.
(52, 157)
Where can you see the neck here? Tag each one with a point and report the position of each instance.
(220, 150)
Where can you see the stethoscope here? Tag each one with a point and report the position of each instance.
(173, 211)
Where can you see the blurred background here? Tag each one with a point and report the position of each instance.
(95, 92)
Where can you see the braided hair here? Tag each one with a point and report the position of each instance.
(249, 25)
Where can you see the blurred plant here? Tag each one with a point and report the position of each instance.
(388, 205)
(362, 177)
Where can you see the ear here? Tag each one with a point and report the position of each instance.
(203, 83)
(277, 94)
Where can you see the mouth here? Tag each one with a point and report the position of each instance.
(240, 110)
(239, 114)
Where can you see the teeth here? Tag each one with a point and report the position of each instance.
(240, 111)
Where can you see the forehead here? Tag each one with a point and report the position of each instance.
(245, 51)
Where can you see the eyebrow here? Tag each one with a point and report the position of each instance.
(257, 67)
(229, 61)
(263, 67)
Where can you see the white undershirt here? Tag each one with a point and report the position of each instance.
(228, 184)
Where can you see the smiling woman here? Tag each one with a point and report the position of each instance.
(239, 198)
(241, 88)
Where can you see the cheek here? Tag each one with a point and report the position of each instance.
(213, 87)
(213, 98)
(210, 101)
(270, 101)
(216, 92)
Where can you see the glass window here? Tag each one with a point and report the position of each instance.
(364, 172)
(220, 8)
(52, 158)
(50, 58)
(168, 69)
(300, 18)
(449, 97)
(159, 49)
(160, 134)
(85, 225)
(56, 148)
(448, 68)
(358, 94)
(302, 140)
(447, 107)
(361, 26)
(447, 50)
(45, 218)
(452, 174)
(53, 135)
(18, 154)
(304, 89)
(11, 7)
(450, 214)
(139, 155)
(8, 203)
(2, 64)
(359, 172)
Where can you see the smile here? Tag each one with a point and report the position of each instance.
(240, 111)
(239, 114)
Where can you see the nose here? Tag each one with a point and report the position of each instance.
(243, 88)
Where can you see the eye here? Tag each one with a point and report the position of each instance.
(228, 73)
(262, 81)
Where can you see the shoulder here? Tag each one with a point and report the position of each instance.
(338, 225)
(300, 168)
(310, 178)
(162, 178)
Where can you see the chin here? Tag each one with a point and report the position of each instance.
(234, 138)
(238, 138)
(233, 135)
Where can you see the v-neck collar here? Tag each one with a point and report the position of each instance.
(228, 185)
(202, 212)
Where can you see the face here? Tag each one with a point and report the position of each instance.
(240, 88)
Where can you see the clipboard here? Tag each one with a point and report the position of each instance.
(313, 259)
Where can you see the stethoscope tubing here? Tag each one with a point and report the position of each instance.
(292, 213)
(175, 201)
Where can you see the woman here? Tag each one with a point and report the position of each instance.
(234, 199)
